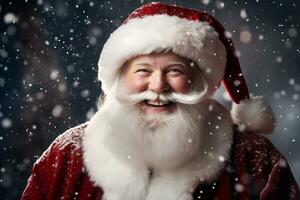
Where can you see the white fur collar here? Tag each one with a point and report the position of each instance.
(131, 181)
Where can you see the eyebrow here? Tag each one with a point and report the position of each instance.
(142, 63)
(176, 63)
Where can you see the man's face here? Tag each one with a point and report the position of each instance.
(160, 73)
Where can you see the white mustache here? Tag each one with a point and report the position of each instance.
(189, 98)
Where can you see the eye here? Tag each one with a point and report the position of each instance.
(142, 71)
(174, 71)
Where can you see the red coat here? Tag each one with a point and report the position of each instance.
(256, 170)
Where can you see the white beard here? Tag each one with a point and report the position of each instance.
(156, 141)
(121, 144)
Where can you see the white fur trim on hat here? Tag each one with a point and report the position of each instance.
(253, 115)
(194, 40)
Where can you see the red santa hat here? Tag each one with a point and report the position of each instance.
(157, 27)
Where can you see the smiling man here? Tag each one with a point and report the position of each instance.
(161, 74)
(158, 133)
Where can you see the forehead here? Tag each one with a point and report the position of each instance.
(157, 58)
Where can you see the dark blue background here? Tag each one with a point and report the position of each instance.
(49, 53)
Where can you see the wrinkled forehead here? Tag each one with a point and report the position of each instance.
(158, 59)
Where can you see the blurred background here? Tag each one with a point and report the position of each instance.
(48, 70)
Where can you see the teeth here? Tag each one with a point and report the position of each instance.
(158, 103)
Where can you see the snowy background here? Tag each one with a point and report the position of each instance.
(49, 52)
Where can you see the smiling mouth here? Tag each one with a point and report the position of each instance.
(157, 103)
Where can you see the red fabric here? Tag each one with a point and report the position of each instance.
(256, 170)
(60, 171)
(157, 8)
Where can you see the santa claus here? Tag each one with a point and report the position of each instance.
(158, 133)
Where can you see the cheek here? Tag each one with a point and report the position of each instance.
(135, 84)
(181, 84)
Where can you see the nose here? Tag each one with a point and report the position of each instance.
(158, 83)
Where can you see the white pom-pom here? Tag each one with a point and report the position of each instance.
(253, 115)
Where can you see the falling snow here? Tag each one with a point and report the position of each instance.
(10, 18)
(6, 123)
(243, 14)
(48, 71)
